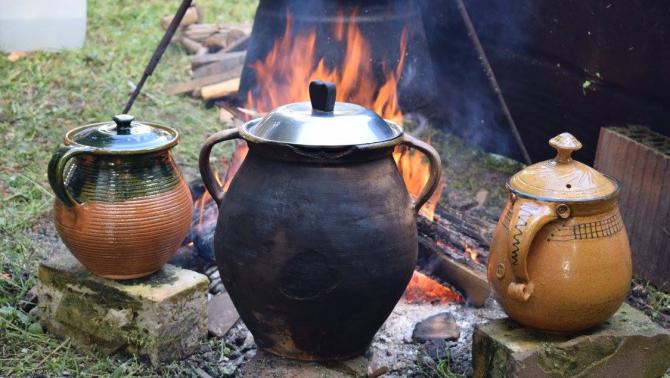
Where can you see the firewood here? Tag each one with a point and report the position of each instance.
(190, 45)
(225, 88)
(203, 81)
(193, 15)
(233, 58)
(200, 32)
(239, 45)
(471, 282)
(229, 63)
(224, 38)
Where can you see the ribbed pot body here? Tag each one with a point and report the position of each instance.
(580, 268)
(315, 254)
(134, 211)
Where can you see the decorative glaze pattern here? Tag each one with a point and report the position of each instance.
(607, 225)
(525, 212)
(109, 178)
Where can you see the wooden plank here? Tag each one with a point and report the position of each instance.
(200, 82)
(224, 38)
(239, 45)
(190, 45)
(221, 66)
(225, 88)
(228, 57)
(644, 172)
(200, 32)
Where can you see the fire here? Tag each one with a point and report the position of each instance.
(422, 289)
(282, 77)
(415, 172)
(230, 167)
(294, 61)
(473, 254)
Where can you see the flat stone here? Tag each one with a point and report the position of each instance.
(437, 327)
(221, 314)
(628, 345)
(162, 316)
(264, 364)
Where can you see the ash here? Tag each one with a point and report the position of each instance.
(394, 348)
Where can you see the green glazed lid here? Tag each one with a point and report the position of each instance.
(123, 136)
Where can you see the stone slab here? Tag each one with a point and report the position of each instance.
(162, 316)
(628, 345)
(221, 314)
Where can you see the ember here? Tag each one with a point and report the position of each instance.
(423, 289)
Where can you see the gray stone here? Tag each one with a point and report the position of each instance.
(163, 316)
(437, 327)
(628, 345)
(221, 314)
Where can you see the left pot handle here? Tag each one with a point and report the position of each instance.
(435, 169)
(206, 169)
(56, 172)
(528, 218)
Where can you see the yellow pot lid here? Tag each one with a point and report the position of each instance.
(561, 178)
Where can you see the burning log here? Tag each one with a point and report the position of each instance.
(470, 281)
(225, 88)
(468, 234)
(193, 15)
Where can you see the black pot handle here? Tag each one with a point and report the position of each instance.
(206, 169)
(435, 169)
(56, 172)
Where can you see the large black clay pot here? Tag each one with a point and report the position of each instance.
(316, 237)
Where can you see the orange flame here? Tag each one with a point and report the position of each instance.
(423, 289)
(293, 62)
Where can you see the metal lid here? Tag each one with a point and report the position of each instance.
(123, 136)
(561, 178)
(322, 123)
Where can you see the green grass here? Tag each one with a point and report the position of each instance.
(45, 94)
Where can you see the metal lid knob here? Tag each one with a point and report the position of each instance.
(123, 123)
(322, 95)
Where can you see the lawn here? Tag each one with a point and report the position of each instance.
(42, 96)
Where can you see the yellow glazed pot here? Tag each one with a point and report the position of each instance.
(560, 258)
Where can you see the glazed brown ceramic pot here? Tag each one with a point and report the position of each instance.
(122, 206)
(560, 258)
(316, 237)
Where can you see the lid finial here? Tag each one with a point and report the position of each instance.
(123, 123)
(322, 95)
(564, 144)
